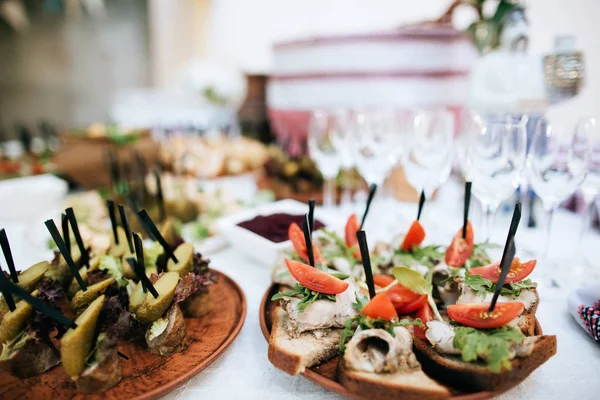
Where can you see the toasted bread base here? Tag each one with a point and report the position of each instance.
(293, 355)
(471, 377)
(406, 385)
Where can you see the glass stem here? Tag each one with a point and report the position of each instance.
(550, 214)
(586, 216)
(346, 201)
(487, 221)
(328, 193)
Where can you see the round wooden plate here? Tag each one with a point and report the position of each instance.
(325, 374)
(146, 375)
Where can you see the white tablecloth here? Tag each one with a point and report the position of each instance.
(243, 370)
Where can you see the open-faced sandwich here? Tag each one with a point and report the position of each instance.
(378, 361)
(308, 321)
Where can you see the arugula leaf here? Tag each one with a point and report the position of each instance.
(428, 256)
(484, 286)
(492, 345)
(365, 323)
(414, 281)
(480, 256)
(337, 248)
(360, 303)
(308, 296)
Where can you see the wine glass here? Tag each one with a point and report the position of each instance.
(325, 148)
(556, 168)
(427, 160)
(590, 187)
(495, 161)
(344, 131)
(471, 125)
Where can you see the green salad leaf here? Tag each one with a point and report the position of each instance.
(308, 296)
(335, 247)
(480, 256)
(152, 253)
(414, 281)
(493, 346)
(114, 269)
(484, 286)
(428, 256)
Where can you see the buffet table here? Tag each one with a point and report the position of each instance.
(243, 371)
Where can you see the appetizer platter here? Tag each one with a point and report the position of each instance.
(133, 320)
(419, 323)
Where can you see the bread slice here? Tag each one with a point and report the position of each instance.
(475, 376)
(406, 385)
(294, 354)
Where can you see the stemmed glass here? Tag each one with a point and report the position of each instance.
(556, 167)
(495, 161)
(343, 127)
(427, 160)
(590, 187)
(325, 148)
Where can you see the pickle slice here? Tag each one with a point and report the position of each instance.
(185, 256)
(74, 286)
(30, 278)
(117, 250)
(82, 299)
(15, 321)
(153, 308)
(137, 297)
(168, 231)
(77, 343)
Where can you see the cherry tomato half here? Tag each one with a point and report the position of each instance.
(425, 315)
(408, 307)
(461, 249)
(380, 306)
(296, 236)
(476, 315)
(414, 237)
(315, 279)
(352, 227)
(518, 271)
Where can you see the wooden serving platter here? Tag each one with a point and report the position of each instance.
(146, 375)
(325, 374)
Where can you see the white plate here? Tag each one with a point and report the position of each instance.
(586, 296)
(254, 246)
(31, 197)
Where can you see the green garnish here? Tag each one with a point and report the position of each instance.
(370, 323)
(14, 345)
(200, 230)
(113, 268)
(308, 296)
(480, 257)
(152, 253)
(492, 345)
(340, 250)
(484, 286)
(428, 256)
(414, 281)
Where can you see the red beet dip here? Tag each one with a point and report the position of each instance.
(275, 226)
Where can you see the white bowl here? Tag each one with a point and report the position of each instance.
(31, 197)
(257, 247)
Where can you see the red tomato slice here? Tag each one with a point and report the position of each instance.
(296, 236)
(406, 308)
(383, 280)
(517, 272)
(426, 315)
(315, 279)
(380, 306)
(352, 226)
(461, 249)
(476, 315)
(414, 237)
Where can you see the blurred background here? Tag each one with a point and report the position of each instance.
(254, 101)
